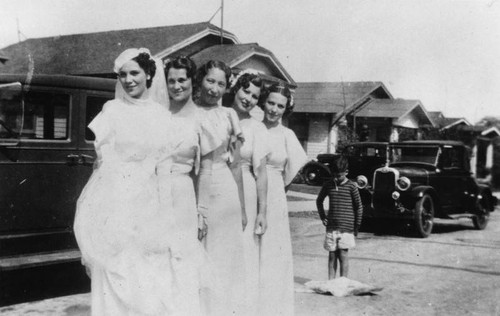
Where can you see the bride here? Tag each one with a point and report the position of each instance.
(121, 230)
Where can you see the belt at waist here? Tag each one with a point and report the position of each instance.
(215, 167)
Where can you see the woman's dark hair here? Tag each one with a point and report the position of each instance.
(203, 70)
(145, 61)
(244, 82)
(182, 62)
(281, 89)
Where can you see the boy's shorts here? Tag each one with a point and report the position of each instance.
(335, 239)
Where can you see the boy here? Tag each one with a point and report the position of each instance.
(343, 219)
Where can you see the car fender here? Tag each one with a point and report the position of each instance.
(324, 171)
(417, 192)
(486, 194)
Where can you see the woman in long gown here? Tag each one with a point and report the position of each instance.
(218, 199)
(198, 140)
(283, 163)
(121, 230)
(251, 175)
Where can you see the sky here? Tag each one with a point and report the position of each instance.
(444, 53)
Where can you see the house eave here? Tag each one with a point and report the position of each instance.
(190, 40)
(278, 66)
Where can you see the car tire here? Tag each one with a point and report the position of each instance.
(424, 216)
(480, 220)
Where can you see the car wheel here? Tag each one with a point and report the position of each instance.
(424, 216)
(480, 220)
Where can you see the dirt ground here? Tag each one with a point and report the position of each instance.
(456, 271)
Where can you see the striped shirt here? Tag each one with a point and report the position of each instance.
(345, 211)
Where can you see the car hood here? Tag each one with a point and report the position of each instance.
(416, 173)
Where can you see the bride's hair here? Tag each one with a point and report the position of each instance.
(148, 65)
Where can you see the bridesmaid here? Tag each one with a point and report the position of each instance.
(251, 175)
(284, 161)
(197, 139)
(218, 194)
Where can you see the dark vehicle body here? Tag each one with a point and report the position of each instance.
(46, 158)
(428, 179)
(364, 158)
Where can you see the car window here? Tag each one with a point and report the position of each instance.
(452, 158)
(93, 107)
(415, 154)
(45, 115)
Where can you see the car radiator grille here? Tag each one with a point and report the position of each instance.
(385, 182)
(384, 185)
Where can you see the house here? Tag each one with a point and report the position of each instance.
(387, 119)
(331, 114)
(320, 107)
(93, 54)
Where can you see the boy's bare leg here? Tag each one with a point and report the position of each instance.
(332, 265)
(344, 262)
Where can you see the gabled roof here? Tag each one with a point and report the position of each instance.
(486, 131)
(399, 110)
(335, 97)
(442, 122)
(449, 122)
(64, 54)
(436, 117)
(236, 54)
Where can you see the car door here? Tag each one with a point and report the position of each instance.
(451, 182)
(40, 173)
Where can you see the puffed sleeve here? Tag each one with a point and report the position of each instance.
(261, 147)
(296, 156)
(235, 122)
(103, 130)
(208, 141)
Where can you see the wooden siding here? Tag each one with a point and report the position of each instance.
(317, 141)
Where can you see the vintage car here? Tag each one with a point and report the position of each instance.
(46, 158)
(363, 157)
(428, 179)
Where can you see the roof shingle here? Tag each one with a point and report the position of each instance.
(64, 54)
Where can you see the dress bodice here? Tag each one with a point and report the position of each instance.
(286, 154)
(132, 133)
(220, 121)
(255, 147)
(185, 156)
(278, 156)
(198, 137)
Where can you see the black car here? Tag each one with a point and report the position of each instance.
(428, 179)
(46, 157)
(363, 158)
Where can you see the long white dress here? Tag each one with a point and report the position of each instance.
(190, 264)
(251, 153)
(218, 200)
(122, 232)
(276, 268)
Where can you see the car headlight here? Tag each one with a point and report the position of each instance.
(395, 195)
(403, 183)
(361, 182)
